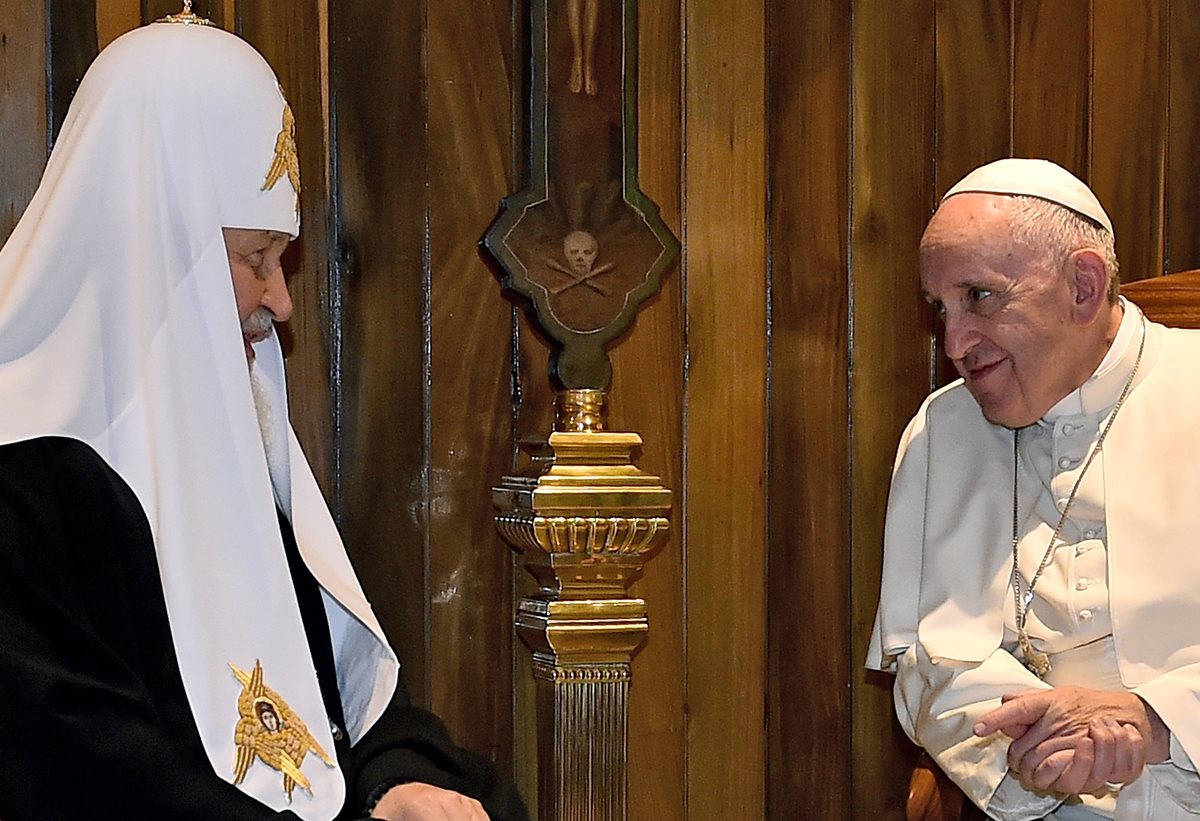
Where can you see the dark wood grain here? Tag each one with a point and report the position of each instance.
(72, 47)
(1129, 60)
(380, 160)
(809, 521)
(890, 344)
(470, 567)
(724, 525)
(974, 76)
(115, 17)
(647, 397)
(1182, 193)
(1051, 66)
(22, 106)
(974, 100)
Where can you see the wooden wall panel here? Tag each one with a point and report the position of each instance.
(71, 27)
(893, 192)
(1130, 63)
(808, 593)
(973, 124)
(115, 17)
(377, 95)
(724, 506)
(23, 120)
(470, 567)
(647, 397)
(974, 82)
(1051, 67)
(1182, 189)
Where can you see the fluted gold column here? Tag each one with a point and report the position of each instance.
(584, 527)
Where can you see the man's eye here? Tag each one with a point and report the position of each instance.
(978, 294)
(939, 308)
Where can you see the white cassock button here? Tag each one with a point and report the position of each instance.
(1082, 584)
(1065, 462)
(1091, 533)
(1068, 430)
(1085, 615)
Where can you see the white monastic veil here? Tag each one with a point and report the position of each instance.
(118, 327)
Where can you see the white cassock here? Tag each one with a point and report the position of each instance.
(1117, 608)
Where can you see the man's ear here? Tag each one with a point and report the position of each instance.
(1087, 276)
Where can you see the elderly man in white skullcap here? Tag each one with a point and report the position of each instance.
(1039, 602)
(183, 635)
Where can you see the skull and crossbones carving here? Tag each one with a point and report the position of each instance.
(580, 249)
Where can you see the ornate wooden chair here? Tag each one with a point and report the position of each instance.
(1173, 300)
(932, 796)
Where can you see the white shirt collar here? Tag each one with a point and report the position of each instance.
(1102, 389)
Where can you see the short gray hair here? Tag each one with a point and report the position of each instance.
(1056, 231)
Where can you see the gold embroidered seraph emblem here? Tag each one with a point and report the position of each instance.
(267, 729)
(285, 161)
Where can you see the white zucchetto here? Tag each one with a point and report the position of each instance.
(1034, 178)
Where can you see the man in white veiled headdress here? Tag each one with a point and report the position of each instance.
(183, 635)
(1039, 602)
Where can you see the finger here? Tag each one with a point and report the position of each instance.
(1124, 752)
(1018, 710)
(1036, 735)
(1029, 761)
(1076, 774)
(1015, 731)
(1050, 770)
(1103, 732)
(1134, 754)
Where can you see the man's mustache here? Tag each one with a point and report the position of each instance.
(259, 324)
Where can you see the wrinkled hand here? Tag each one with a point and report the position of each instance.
(1074, 739)
(424, 802)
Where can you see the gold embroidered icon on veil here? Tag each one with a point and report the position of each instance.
(285, 161)
(269, 730)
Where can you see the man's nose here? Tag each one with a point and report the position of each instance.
(276, 297)
(960, 335)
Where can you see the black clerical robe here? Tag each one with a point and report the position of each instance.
(94, 720)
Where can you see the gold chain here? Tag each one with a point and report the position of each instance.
(1037, 661)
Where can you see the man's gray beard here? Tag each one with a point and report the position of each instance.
(262, 407)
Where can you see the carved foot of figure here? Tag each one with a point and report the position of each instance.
(575, 83)
(590, 85)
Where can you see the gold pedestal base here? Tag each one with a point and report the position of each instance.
(585, 528)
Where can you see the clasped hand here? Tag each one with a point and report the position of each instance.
(424, 802)
(1073, 740)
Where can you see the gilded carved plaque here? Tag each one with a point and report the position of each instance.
(581, 241)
